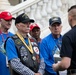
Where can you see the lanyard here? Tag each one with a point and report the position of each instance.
(3, 37)
(22, 39)
(58, 41)
(3, 40)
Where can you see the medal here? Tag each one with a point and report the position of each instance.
(34, 58)
(22, 39)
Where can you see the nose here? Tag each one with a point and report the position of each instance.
(28, 24)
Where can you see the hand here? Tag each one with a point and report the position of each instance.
(37, 74)
(55, 66)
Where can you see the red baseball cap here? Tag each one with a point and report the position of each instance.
(34, 25)
(6, 15)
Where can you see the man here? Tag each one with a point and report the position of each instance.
(68, 49)
(35, 32)
(23, 54)
(5, 21)
(51, 44)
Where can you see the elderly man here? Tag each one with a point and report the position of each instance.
(51, 44)
(22, 52)
(5, 21)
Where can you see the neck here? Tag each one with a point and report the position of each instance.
(4, 30)
(73, 23)
(38, 39)
(56, 36)
(22, 34)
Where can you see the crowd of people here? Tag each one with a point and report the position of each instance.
(23, 54)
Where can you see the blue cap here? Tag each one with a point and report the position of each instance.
(54, 20)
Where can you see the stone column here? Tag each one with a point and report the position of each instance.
(4, 5)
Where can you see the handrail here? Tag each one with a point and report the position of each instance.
(22, 6)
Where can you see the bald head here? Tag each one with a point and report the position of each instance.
(72, 7)
(72, 15)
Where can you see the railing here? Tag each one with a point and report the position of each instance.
(41, 11)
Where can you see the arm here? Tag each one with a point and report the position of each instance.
(41, 66)
(46, 55)
(66, 54)
(62, 65)
(20, 68)
(14, 60)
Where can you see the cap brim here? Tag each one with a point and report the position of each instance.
(34, 27)
(55, 22)
(32, 21)
(9, 18)
(13, 18)
(28, 20)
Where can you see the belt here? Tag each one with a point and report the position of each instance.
(71, 71)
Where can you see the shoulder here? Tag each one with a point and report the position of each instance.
(70, 33)
(9, 41)
(47, 38)
(10, 38)
(10, 34)
(32, 39)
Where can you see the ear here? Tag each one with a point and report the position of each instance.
(70, 17)
(17, 25)
(49, 27)
(61, 26)
(0, 20)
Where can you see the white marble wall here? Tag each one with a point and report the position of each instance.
(42, 10)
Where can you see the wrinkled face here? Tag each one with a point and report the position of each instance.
(56, 29)
(6, 23)
(35, 32)
(23, 27)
